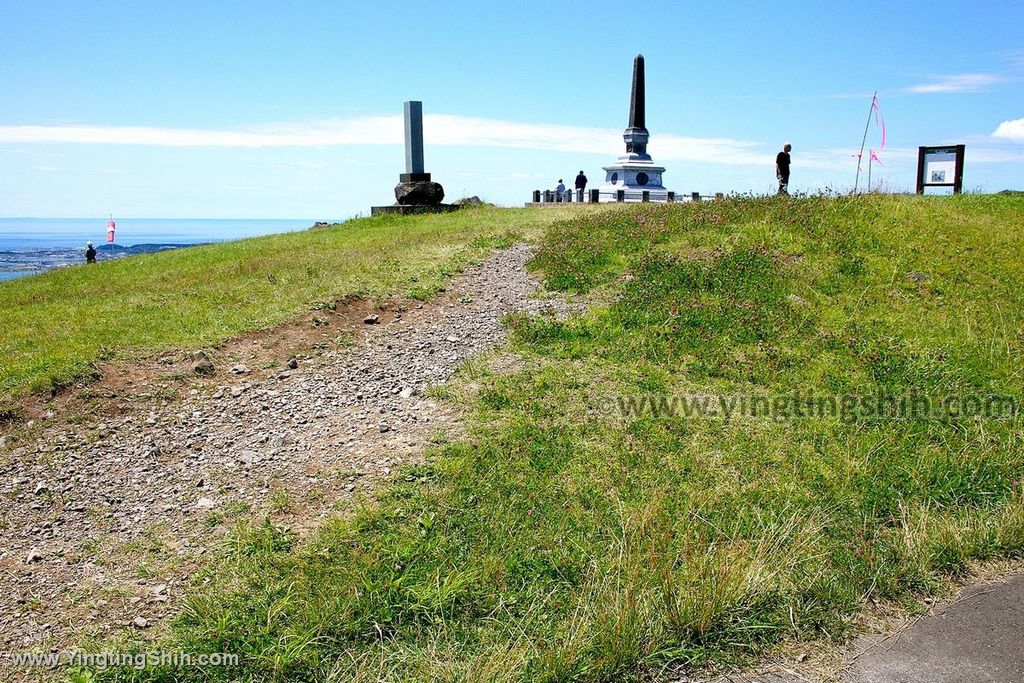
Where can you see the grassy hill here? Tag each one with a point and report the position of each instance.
(596, 526)
(55, 327)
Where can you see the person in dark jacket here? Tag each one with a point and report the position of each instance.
(90, 253)
(581, 181)
(782, 168)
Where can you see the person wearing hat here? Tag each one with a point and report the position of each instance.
(90, 253)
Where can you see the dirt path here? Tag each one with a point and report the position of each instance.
(104, 522)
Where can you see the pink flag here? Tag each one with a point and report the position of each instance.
(874, 157)
(879, 120)
(110, 230)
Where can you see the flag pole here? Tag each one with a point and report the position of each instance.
(863, 140)
(871, 157)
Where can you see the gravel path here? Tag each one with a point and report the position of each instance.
(102, 524)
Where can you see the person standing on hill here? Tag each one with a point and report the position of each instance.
(782, 169)
(90, 253)
(560, 190)
(581, 182)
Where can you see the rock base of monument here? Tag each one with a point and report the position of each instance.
(406, 209)
(418, 191)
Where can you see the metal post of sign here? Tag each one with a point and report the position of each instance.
(958, 174)
(920, 169)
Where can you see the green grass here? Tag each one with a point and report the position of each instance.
(55, 327)
(563, 543)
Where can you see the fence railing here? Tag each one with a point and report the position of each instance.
(596, 196)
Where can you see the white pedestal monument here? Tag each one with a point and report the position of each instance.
(634, 177)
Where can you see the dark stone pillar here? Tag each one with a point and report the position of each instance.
(637, 97)
(636, 134)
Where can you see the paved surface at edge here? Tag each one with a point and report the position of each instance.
(976, 638)
(979, 638)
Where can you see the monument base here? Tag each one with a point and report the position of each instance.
(407, 209)
(637, 178)
(638, 194)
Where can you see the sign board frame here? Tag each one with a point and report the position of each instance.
(941, 155)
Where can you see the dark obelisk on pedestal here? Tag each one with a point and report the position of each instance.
(634, 177)
(636, 134)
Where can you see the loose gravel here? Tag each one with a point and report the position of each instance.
(103, 524)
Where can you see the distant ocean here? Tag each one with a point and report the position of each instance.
(34, 245)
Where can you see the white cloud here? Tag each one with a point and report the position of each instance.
(955, 83)
(441, 129)
(1015, 57)
(844, 159)
(1010, 130)
(990, 155)
(457, 130)
(368, 130)
(309, 165)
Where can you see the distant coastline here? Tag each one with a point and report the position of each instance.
(29, 246)
(25, 262)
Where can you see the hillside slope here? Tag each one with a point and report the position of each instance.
(56, 327)
(774, 412)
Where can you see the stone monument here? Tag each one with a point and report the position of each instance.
(634, 177)
(415, 192)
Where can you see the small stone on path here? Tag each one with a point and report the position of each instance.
(202, 364)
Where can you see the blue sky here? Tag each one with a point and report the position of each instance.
(274, 109)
